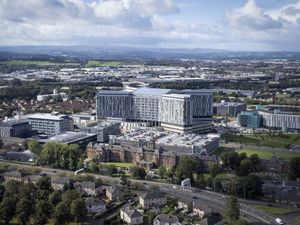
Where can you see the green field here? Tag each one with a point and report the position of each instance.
(94, 63)
(119, 164)
(267, 154)
(273, 140)
(273, 210)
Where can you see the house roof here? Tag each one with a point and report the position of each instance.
(93, 201)
(87, 184)
(185, 200)
(153, 194)
(13, 174)
(113, 190)
(61, 180)
(202, 207)
(211, 220)
(164, 218)
(131, 212)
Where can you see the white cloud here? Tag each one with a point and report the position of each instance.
(251, 16)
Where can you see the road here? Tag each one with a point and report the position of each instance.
(214, 200)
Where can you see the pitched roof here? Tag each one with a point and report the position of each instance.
(211, 220)
(61, 180)
(87, 184)
(164, 218)
(153, 194)
(131, 212)
(93, 201)
(113, 189)
(13, 174)
(202, 207)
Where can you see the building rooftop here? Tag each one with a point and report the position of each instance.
(131, 212)
(69, 136)
(47, 116)
(10, 123)
(151, 91)
(153, 194)
(167, 219)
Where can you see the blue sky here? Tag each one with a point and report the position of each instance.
(243, 25)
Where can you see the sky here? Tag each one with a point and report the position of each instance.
(238, 25)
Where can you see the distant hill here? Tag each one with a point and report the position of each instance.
(113, 53)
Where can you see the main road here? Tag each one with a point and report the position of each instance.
(213, 199)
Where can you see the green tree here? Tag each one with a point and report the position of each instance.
(231, 211)
(255, 160)
(138, 172)
(78, 209)
(250, 186)
(24, 210)
(1, 144)
(61, 214)
(34, 147)
(69, 196)
(93, 167)
(55, 198)
(186, 168)
(240, 222)
(213, 172)
(162, 171)
(42, 212)
(245, 167)
(123, 180)
(294, 168)
(201, 182)
(7, 209)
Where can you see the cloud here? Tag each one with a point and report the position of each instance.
(251, 16)
(289, 13)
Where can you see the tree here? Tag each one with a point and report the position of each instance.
(245, 167)
(255, 160)
(240, 222)
(213, 171)
(55, 198)
(231, 211)
(250, 186)
(44, 183)
(61, 214)
(201, 182)
(294, 168)
(123, 180)
(78, 209)
(7, 209)
(2, 191)
(34, 147)
(93, 167)
(69, 196)
(42, 212)
(231, 160)
(24, 210)
(1, 143)
(162, 171)
(186, 168)
(138, 172)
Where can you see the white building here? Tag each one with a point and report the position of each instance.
(50, 123)
(131, 215)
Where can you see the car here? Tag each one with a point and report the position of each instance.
(243, 214)
(194, 197)
(175, 187)
(279, 221)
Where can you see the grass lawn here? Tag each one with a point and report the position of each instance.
(267, 154)
(119, 164)
(273, 210)
(93, 63)
(275, 140)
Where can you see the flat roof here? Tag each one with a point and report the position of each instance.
(46, 116)
(68, 136)
(151, 91)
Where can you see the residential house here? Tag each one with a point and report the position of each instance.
(213, 219)
(13, 175)
(88, 188)
(32, 179)
(113, 193)
(154, 198)
(164, 219)
(58, 183)
(201, 210)
(131, 215)
(185, 204)
(94, 205)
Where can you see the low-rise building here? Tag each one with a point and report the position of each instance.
(113, 193)
(94, 205)
(70, 137)
(201, 210)
(13, 175)
(131, 216)
(58, 183)
(164, 219)
(154, 198)
(212, 220)
(88, 188)
(185, 204)
(25, 156)
(228, 108)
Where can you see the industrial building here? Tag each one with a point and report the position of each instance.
(102, 130)
(15, 128)
(70, 137)
(184, 111)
